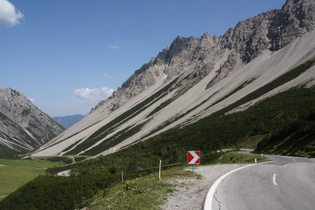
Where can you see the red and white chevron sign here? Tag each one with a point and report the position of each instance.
(193, 157)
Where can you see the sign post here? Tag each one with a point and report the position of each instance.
(193, 157)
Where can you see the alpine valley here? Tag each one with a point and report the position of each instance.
(253, 87)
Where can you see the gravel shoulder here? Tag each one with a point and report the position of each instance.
(191, 193)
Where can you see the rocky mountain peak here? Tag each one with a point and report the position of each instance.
(23, 127)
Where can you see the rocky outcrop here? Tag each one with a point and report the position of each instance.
(191, 59)
(271, 30)
(23, 127)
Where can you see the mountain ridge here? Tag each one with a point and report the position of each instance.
(195, 77)
(276, 29)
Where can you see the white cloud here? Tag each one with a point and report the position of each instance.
(107, 76)
(96, 94)
(9, 15)
(114, 47)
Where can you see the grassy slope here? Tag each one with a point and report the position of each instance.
(297, 139)
(141, 193)
(16, 173)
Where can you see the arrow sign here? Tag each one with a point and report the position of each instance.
(193, 157)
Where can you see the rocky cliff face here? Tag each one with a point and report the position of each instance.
(271, 30)
(191, 59)
(23, 127)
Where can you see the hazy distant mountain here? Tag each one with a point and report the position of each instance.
(68, 121)
(196, 77)
(23, 127)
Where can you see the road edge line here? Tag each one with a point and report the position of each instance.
(209, 197)
(274, 179)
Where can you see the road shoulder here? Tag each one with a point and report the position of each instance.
(191, 193)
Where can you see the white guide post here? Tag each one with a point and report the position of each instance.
(160, 169)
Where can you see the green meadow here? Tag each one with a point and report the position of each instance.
(16, 173)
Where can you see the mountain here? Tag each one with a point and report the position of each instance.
(68, 121)
(194, 78)
(23, 127)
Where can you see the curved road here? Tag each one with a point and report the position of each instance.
(286, 183)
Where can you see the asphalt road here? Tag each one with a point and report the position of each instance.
(286, 183)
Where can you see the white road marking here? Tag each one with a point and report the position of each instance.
(210, 194)
(287, 165)
(294, 160)
(274, 179)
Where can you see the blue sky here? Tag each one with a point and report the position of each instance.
(67, 55)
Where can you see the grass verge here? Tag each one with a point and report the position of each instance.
(235, 157)
(141, 193)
